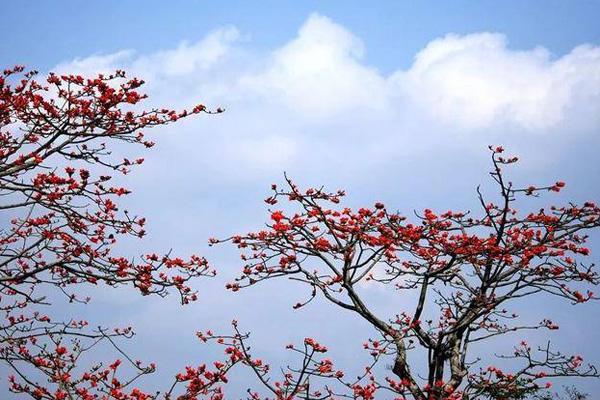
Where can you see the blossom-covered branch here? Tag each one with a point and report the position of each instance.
(460, 271)
(61, 222)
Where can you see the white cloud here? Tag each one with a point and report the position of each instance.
(185, 59)
(316, 97)
(189, 58)
(476, 81)
(95, 64)
(320, 72)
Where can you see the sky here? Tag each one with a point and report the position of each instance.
(393, 101)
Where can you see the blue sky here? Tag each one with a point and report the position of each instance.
(45, 33)
(394, 101)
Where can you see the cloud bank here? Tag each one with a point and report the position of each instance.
(318, 91)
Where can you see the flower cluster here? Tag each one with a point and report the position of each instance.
(63, 222)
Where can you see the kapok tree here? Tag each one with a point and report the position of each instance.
(59, 226)
(464, 272)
